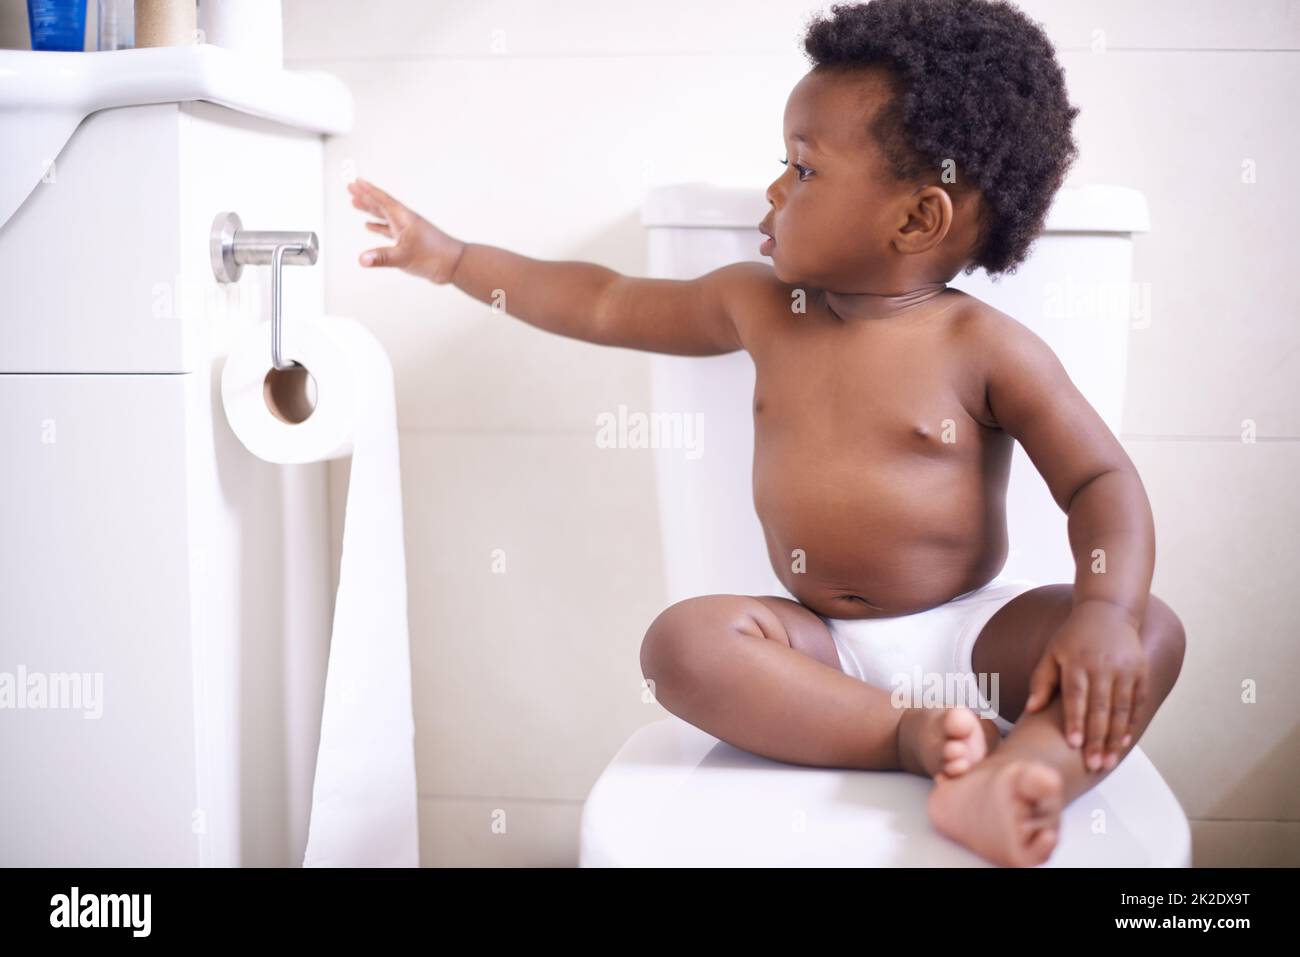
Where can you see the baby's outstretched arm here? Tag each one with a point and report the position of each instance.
(576, 299)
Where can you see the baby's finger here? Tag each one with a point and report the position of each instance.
(1100, 685)
(365, 198)
(391, 207)
(367, 205)
(1042, 682)
(1074, 683)
(382, 256)
(382, 228)
(1139, 696)
(1121, 715)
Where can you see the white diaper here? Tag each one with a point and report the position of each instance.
(928, 652)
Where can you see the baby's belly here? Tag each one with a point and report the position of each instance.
(880, 541)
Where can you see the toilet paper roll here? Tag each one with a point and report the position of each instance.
(364, 810)
(165, 23)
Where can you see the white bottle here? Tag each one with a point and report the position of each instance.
(116, 29)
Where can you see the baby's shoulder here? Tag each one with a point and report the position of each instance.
(989, 334)
(773, 309)
(991, 344)
(756, 285)
(973, 319)
(757, 300)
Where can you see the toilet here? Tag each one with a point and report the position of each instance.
(676, 796)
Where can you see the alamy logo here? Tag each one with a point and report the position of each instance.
(102, 910)
(936, 689)
(40, 690)
(652, 430)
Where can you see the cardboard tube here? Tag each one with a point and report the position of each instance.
(165, 23)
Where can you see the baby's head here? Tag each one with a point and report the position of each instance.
(929, 137)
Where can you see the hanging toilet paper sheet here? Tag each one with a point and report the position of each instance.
(364, 810)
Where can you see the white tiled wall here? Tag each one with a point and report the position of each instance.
(538, 127)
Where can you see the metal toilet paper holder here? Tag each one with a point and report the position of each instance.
(233, 247)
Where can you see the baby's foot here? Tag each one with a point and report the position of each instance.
(1007, 811)
(944, 741)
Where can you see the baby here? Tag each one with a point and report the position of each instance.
(929, 138)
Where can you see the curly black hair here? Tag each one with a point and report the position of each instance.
(975, 82)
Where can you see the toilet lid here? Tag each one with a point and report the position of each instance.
(676, 796)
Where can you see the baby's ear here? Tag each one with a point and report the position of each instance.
(927, 218)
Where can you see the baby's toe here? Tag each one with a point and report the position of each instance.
(956, 767)
(956, 749)
(1040, 846)
(959, 722)
(1040, 786)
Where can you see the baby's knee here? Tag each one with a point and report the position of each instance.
(1164, 639)
(682, 633)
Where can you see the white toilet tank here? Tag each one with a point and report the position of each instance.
(1075, 291)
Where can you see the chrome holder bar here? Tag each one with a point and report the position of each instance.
(232, 248)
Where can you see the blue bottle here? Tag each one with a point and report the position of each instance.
(57, 24)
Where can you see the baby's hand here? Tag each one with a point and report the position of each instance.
(421, 248)
(1097, 658)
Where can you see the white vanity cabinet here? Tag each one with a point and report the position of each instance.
(165, 597)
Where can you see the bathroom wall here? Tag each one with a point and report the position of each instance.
(533, 555)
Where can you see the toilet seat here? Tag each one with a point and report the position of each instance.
(676, 796)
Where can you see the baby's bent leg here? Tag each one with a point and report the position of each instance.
(1008, 809)
(763, 674)
(1013, 642)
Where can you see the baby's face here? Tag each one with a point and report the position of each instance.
(835, 206)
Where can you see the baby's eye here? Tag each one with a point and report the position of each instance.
(800, 169)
